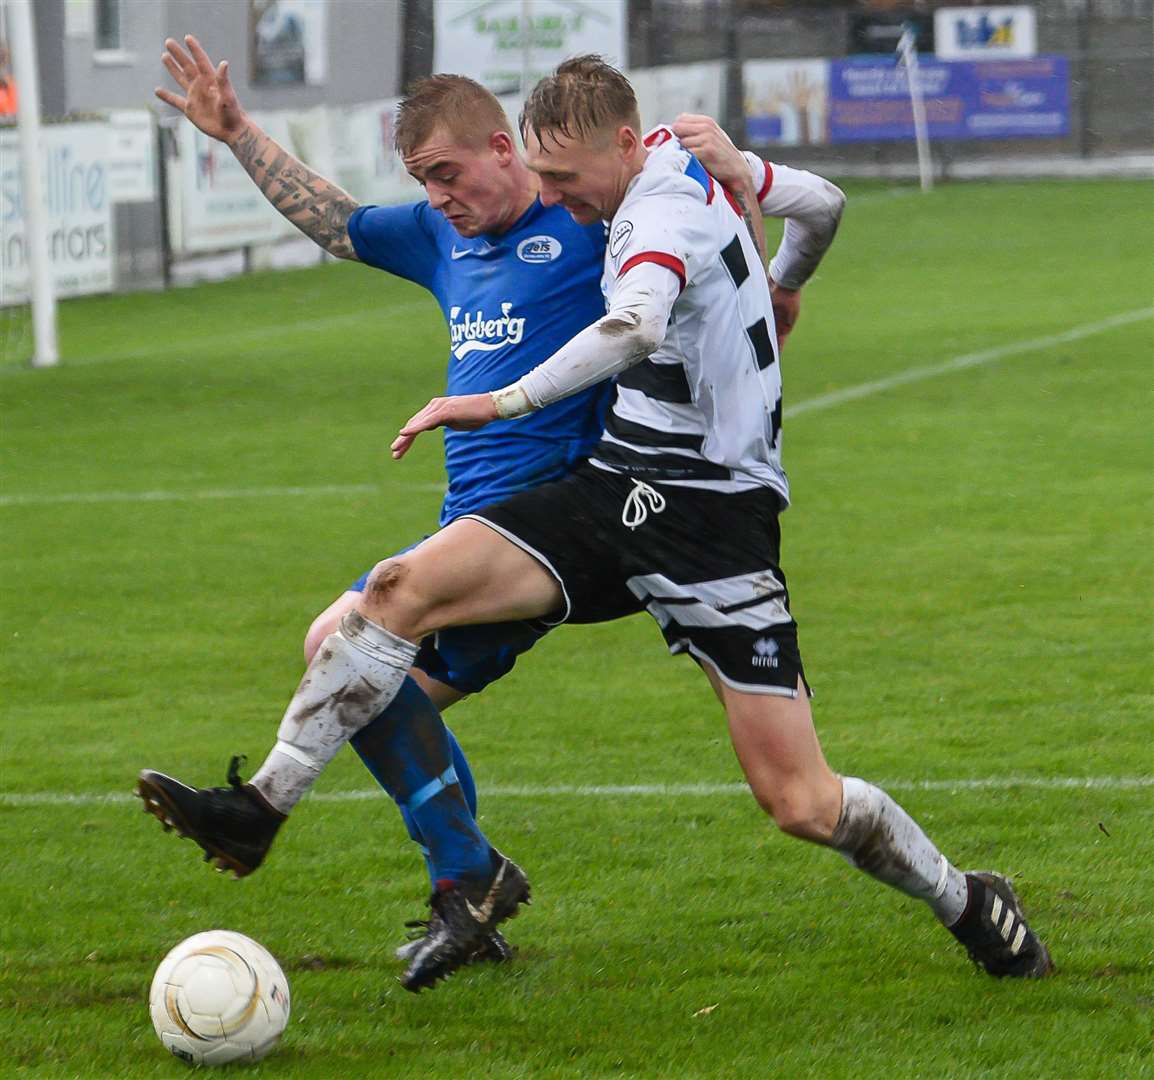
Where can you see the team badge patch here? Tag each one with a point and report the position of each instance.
(539, 249)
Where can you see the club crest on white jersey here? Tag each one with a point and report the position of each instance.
(621, 233)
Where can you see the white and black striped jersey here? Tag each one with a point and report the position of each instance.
(704, 410)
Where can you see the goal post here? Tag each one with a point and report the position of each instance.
(41, 287)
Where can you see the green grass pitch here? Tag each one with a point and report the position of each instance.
(971, 556)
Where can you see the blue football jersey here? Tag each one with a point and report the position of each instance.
(510, 302)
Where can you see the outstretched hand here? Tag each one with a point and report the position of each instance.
(464, 413)
(209, 100)
(703, 137)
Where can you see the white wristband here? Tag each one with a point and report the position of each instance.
(511, 402)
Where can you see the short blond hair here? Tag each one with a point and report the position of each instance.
(583, 96)
(464, 108)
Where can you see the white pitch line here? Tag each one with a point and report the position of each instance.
(615, 791)
(967, 360)
(815, 404)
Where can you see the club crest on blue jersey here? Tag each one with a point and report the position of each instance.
(539, 249)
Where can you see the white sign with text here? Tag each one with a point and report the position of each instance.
(131, 156)
(74, 169)
(490, 42)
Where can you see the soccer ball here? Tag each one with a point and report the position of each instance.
(219, 997)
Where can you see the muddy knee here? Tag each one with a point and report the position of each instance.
(390, 600)
(383, 580)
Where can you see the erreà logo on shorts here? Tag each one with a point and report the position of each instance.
(765, 652)
(539, 249)
(475, 333)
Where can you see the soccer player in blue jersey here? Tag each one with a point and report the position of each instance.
(514, 280)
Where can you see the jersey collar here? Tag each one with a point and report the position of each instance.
(493, 239)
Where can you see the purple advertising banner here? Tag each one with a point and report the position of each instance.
(869, 99)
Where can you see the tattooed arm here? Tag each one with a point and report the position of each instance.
(746, 199)
(320, 209)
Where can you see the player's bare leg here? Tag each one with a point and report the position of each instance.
(778, 749)
(440, 694)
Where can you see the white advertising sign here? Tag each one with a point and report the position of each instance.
(76, 204)
(489, 41)
(664, 92)
(366, 165)
(131, 156)
(220, 206)
(980, 33)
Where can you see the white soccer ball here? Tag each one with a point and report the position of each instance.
(219, 997)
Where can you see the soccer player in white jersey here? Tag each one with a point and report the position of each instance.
(481, 242)
(485, 248)
(676, 513)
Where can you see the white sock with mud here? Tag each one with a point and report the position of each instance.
(879, 837)
(354, 675)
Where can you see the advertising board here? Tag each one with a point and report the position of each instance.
(869, 100)
(77, 206)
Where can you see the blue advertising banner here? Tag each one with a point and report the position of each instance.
(869, 99)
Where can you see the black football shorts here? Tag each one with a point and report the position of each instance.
(704, 564)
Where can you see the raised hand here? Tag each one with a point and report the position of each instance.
(703, 137)
(464, 413)
(209, 100)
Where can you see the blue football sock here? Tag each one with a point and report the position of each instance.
(411, 753)
(464, 773)
(417, 838)
(468, 789)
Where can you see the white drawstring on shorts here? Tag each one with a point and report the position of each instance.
(636, 511)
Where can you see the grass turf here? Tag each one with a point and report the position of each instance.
(971, 559)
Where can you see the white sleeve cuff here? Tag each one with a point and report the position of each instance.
(511, 402)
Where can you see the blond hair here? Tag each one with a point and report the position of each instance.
(585, 95)
(463, 108)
